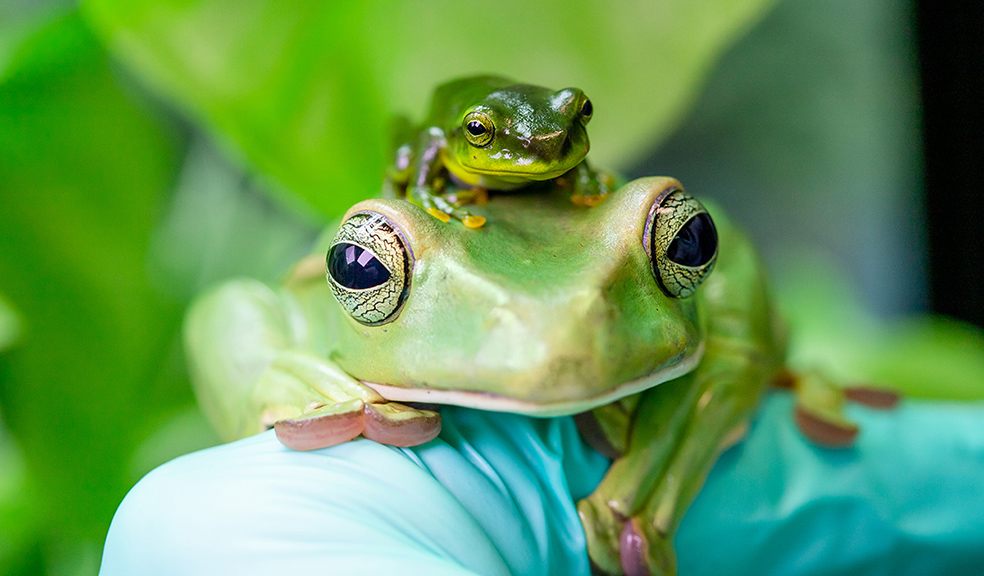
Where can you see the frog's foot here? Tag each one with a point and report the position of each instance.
(474, 195)
(621, 546)
(819, 411)
(442, 208)
(589, 188)
(602, 530)
(388, 423)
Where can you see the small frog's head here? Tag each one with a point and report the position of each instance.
(549, 309)
(518, 133)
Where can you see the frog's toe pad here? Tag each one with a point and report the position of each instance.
(829, 432)
(389, 423)
(878, 398)
(398, 425)
(322, 427)
(632, 551)
(588, 200)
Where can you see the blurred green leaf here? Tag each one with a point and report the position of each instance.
(221, 223)
(920, 356)
(83, 170)
(18, 514)
(9, 324)
(303, 90)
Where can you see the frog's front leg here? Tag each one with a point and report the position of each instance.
(820, 401)
(623, 492)
(312, 403)
(589, 187)
(678, 432)
(427, 182)
(253, 368)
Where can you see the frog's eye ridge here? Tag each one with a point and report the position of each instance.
(479, 129)
(369, 268)
(681, 241)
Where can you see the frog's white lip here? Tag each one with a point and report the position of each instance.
(499, 403)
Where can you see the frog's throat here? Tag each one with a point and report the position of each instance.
(499, 403)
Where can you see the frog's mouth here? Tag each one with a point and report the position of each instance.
(560, 407)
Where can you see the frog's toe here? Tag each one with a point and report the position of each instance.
(588, 200)
(439, 214)
(602, 531)
(323, 426)
(825, 429)
(395, 424)
(632, 551)
(872, 397)
(642, 552)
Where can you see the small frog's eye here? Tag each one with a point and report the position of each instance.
(681, 241)
(587, 109)
(369, 268)
(478, 128)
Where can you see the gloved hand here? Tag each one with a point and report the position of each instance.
(495, 494)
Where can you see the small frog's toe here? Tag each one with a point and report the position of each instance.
(439, 214)
(588, 200)
(473, 221)
(321, 427)
(395, 424)
(825, 429)
(878, 398)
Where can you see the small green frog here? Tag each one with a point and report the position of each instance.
(491, 133)
(612, 313)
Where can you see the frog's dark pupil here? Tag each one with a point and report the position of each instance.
(587, 109)
(476, 128)
(695, 243)
(355, 267)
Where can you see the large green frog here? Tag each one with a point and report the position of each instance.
(644, 316)
(491, 133)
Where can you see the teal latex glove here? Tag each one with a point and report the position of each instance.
(495, 494)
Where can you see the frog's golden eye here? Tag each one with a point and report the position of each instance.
(587, 109)
(478, 128)
(369, 268)
(681, 241)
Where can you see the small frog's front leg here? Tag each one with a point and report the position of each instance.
(427, 182)
(589, 187)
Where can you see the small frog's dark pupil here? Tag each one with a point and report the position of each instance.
(476, 128)
(587, 109)
(355, 267)
(695, 243)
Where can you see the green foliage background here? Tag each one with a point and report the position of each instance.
(151, 148)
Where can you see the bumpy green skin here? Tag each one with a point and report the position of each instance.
(551, 309)
(538, 135)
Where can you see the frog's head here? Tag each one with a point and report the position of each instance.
(520, 132)
(550, 309)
